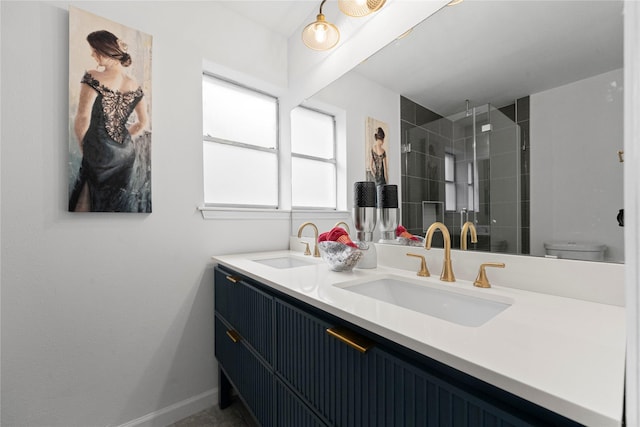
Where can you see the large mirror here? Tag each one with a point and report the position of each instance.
(511, 118)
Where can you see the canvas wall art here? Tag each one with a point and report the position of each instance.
(376, 148)
(109, 116)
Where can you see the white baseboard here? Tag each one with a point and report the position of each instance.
(172, 413)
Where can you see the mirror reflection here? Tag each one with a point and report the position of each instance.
(511, 119)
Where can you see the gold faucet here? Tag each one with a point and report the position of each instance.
(316, 252)
(463, 235)
(344, 225)
(447, 269)
(482, 281)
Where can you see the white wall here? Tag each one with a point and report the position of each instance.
(107, 318)
(576, 131)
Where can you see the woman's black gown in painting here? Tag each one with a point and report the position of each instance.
(108, 151)
(378, 164)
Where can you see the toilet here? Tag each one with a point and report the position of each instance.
(585, 251)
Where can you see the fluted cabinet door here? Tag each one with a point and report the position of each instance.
(224, 295)
(327, 374)
(256, 321)
(228, 352)
(290, 411)
(249, 375)
(247, 309)
(349, 388)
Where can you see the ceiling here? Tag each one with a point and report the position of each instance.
(498, 51)
(513, 47)
(281, 16)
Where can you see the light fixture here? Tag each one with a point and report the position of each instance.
(320, 35)
(454, 2)
(405, 34)
(358, 8)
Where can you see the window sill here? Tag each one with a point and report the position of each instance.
(209, 212)
(242, 214)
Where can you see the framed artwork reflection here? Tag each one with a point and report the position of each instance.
(376, 148)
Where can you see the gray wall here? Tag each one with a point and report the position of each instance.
(576, 179)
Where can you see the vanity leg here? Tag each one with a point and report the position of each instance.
(224, 390)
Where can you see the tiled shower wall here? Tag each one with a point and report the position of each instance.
(519, 113)
(425, 134)
(424, 138)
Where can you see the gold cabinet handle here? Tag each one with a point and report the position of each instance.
(350, 338)
(482, 281)
(234, 335)
(233, 279)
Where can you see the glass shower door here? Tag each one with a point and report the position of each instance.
(485, 153)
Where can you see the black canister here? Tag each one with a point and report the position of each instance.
(387, 211)
(387, 196)
(364, 194)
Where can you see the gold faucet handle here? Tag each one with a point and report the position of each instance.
(424, 272)
(306, 247)
(482, 281)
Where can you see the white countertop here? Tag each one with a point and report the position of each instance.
(564, 354)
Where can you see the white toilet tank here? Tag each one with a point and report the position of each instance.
(585, 251)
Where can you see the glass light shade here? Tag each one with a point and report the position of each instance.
(358, 8)
(320, 35)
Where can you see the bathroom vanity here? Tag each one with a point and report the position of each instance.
(302, 348)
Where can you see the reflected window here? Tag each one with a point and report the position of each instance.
(449, 182)
(313, 159)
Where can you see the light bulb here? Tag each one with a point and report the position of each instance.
(321, 33)
(361, 2)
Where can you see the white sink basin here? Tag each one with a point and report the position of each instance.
(453, 305)
(284, 262)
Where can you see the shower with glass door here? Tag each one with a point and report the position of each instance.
(466, 167)
(482, 178)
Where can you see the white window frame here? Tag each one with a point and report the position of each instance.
(238, 144)
(332, 160)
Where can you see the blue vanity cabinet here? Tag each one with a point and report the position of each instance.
(311, 368)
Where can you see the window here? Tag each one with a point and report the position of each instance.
(240, 145)
(449, 182)
(313, 159)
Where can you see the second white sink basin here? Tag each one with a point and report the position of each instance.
(451, 305)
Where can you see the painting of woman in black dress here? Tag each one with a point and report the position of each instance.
(377, 165)
(109, 117)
